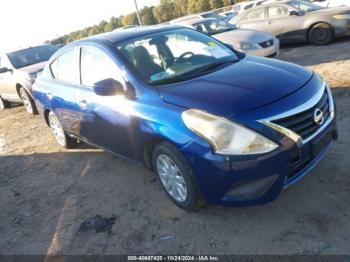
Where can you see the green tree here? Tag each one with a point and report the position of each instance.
(164, 11)
(180, 8)
(214, 4)
(147, 16)
(130, 19)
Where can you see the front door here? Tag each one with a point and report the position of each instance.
(107, 122)
(285, 26)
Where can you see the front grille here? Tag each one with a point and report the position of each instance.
(303, 123)
(267, 44)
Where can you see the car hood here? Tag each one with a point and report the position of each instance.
(332, 10)
(33, 68)
(248, 84)
(243, 35)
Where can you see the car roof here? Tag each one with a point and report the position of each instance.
(129, 33)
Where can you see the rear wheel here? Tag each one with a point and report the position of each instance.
(3, 103)
(61, 136)
(176, 177)
(321, 34)
(28, 102)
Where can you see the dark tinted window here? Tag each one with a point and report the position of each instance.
(248, 6)
(260, 3)
(31, 55)
(96, 65)
(64, 67)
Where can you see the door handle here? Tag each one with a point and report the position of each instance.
(83, 104)
(269, 22)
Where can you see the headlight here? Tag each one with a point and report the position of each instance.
(342, 16)
(226, 137)
(245, 46)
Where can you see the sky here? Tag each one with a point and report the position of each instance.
(30, 22)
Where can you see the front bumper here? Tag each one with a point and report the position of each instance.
(271, 51)
(257, 179)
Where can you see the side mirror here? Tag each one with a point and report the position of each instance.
(297, 13)
(4, 70)
(108, 87)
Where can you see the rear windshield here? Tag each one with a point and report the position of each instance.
(31, 56)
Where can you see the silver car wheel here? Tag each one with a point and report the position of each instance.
(57, 130)
(171, 178)
(2, 105)
(26, 100)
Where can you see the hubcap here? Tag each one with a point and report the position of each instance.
(1, 104)
(57, 130)
(26, 101)
(321, 34)
(172, 178)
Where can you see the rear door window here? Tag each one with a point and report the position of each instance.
(64, 68)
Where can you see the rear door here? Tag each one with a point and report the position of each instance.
(255, 19)
(61, 92)
(284, 26)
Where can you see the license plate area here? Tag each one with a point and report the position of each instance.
(317, 147)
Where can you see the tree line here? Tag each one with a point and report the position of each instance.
(149, 15)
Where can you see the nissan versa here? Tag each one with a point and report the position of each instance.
(213, 123)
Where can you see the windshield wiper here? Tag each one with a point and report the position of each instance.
(194, 73)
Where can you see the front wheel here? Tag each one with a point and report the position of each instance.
(321, 34)
(61, 136)
(28, 102)
(176, 177)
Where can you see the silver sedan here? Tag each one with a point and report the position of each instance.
(248, 41)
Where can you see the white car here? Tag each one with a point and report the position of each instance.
(332, 3)
(245, 40)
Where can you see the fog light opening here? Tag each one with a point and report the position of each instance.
(251, 189)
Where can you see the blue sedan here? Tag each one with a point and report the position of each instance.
(214, 124)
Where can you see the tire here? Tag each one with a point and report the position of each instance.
(61, 136)
(4, 104)
(321, 34)
(181, 174)
(28, 102)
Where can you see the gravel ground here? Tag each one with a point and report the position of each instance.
(50, 198)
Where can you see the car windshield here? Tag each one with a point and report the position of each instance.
(175, 55)
(304, 6)
(31, 56)
(213, 26)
